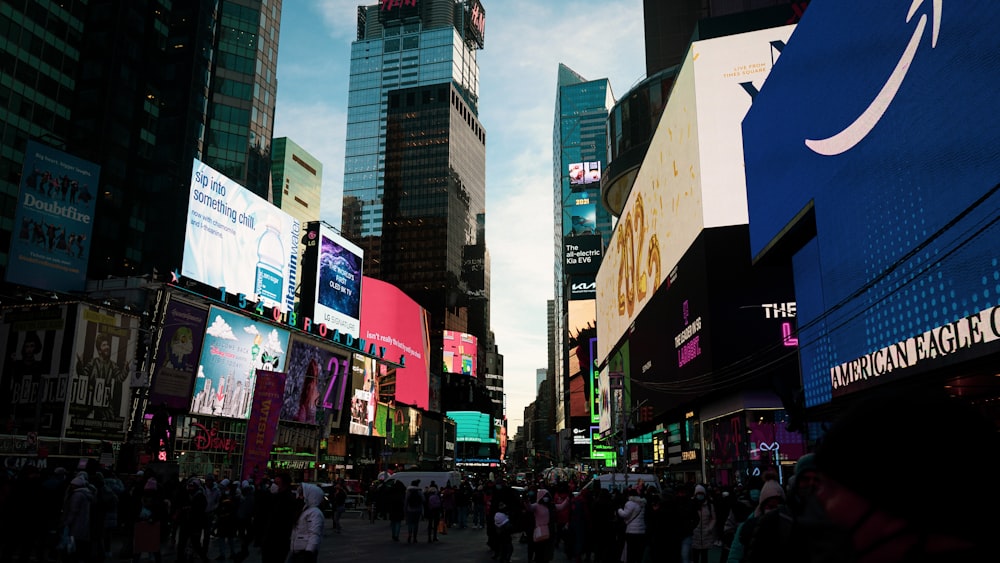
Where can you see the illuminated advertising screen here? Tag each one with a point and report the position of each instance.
(178, 352)
(234, 348)
(101, 370)
(692, 176)
(235, 239)
(391, 319)
(600, 449)
(582, 219)
(582, 254)
(34, 368)
(459, 353)
(316, 378)
(364, 394)
(50, 242)
(594, 392)
(584, 173)
(582, 286)
(900, 277)
(473, 426)
(338, 283)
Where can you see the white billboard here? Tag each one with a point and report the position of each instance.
(237, 240)
(692, 177)
(338, 283)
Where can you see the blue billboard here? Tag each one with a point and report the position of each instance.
(50, 243)
(876, 173)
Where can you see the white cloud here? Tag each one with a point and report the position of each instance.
(251, 329)
(220, 329)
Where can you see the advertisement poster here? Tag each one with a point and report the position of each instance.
(103, 359)
(34, 371)
(237, 240)
(392, 319)
(338, 284)
(364, 397)
(177, 355)
(50, 242)
(459, 353)
(263, 424)
(316, 382)
(235, 347)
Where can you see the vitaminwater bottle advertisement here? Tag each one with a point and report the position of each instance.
(238, 240)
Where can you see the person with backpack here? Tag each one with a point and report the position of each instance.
(414, 509)
(339, 504)
(433, 497)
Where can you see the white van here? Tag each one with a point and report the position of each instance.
(440, 478)
(622, 481)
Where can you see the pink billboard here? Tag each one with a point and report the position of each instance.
(459, 353)
(390, 319)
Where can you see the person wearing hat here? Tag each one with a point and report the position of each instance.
(703, 534)
(504, 529)
(876, 460)
(634, 516)
(769, 498)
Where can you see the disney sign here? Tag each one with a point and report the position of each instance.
(209, 439)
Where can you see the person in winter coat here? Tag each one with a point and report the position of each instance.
(191, 521)
(544, 524)
(703, 536)
(394, 495)
(634, 516)
(76, 517)
(308, 530)
(432, 495)
(771, 497)
(414, 508)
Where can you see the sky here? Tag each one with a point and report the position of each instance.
(525, 42)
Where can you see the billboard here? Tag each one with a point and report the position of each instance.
(315, 383)
(338, 283)
(263, 423)
(391, 319)
(34, 369)
(691, 178)
(473, 426)
(364, 394)
(901, 274)
(103, 360)
(582, 254)
(234, 348)
(582, 218)
(581, 173)
(178, 351)
(459, 353)
(50, 242)
(235, 239)
(582, 286)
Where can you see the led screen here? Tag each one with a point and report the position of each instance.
(459, 353)
(691, 177)
(472, 426)
(389, 318)
(315, 383)
(234, 348)
(584, 173)
(236, 240)
(177, 355)
(582, 254)
(338, 283)
(50, 242)
(901, 274)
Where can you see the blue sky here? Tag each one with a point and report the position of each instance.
(525, 42)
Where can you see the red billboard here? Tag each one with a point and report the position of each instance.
(390, 319)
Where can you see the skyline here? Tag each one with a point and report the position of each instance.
(525, 43)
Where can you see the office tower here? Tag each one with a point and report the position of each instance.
(140, 88)
(298, 180)
(582, 226)
(414, 172)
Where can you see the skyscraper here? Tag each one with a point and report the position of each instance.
(415, 166)
(582, 225)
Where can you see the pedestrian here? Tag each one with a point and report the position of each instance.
(339, 503)
(148, 521)
(771, 497)
(191, 522)
(414, 510)
(703, 535)
(76, 520)
(226, 524)
(394, 495)
(542, 534)
(432, 496)
(213, 496)
(308, 530)
(505, 528)
(478, 503)
(280, 512)
(634, 516)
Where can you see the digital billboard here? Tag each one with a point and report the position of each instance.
(459, 353)
(50, 242)
(364, 394)
(34, 368)
(582, 254)
(237, 240)
(338, 283)
(473, 426)
(582, 218)
(234, 348)
(584, 173)
(316, 382)
(177, 354)
(103, 360)
(901, 274)
(691, 177)
(391, 319)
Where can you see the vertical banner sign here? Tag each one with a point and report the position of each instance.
(104, 355)
(177, 358)
(263, 423)
(50, 242)
(34, 371)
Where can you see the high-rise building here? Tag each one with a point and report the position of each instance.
(141, 89)
(415, 166)
(298, 180)
(582, 225)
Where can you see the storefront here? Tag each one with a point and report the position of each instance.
(210, 445)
